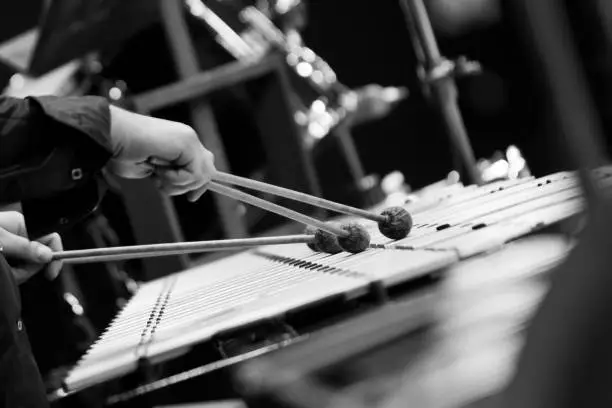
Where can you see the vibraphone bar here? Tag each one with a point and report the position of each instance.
(168, 316)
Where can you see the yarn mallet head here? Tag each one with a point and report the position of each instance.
(397, 224)
(323, 241)
(357, 240)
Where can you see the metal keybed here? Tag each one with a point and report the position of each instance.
(169, 315)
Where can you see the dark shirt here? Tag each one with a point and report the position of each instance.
(49, 147)
(43, 151)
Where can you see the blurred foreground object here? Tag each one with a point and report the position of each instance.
(444, 346)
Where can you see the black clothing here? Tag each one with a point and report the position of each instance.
(49, 147)
(20, 381)
(46, 133)
(46, 163)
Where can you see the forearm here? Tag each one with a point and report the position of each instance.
(126, 129)
(79, 136)
(131, 133)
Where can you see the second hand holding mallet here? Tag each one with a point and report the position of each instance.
(154, 250)
(317, 240)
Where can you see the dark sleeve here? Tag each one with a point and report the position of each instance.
(50, 145)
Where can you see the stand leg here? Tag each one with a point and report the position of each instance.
(445, 94)
(437, 74)
(204, 123)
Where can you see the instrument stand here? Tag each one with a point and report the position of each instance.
(437, 75)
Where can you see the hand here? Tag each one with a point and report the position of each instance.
(169, 152)
(26, 257)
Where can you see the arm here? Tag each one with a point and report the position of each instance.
(43, 141)
(83, 134)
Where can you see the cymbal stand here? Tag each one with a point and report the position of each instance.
(437, 75)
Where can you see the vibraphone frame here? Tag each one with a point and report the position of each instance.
(286, 283)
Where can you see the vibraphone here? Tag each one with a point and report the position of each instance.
(168, 316)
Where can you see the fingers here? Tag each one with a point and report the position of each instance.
(13, 222)
(205, 167)
(192, 178)
(130, 170)
(175, 177)
(24, 272)
(29, 257)
(26, 257)
(17, 247)
(53, 241)
(169, 152)
(195, 195)
(176, 182)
